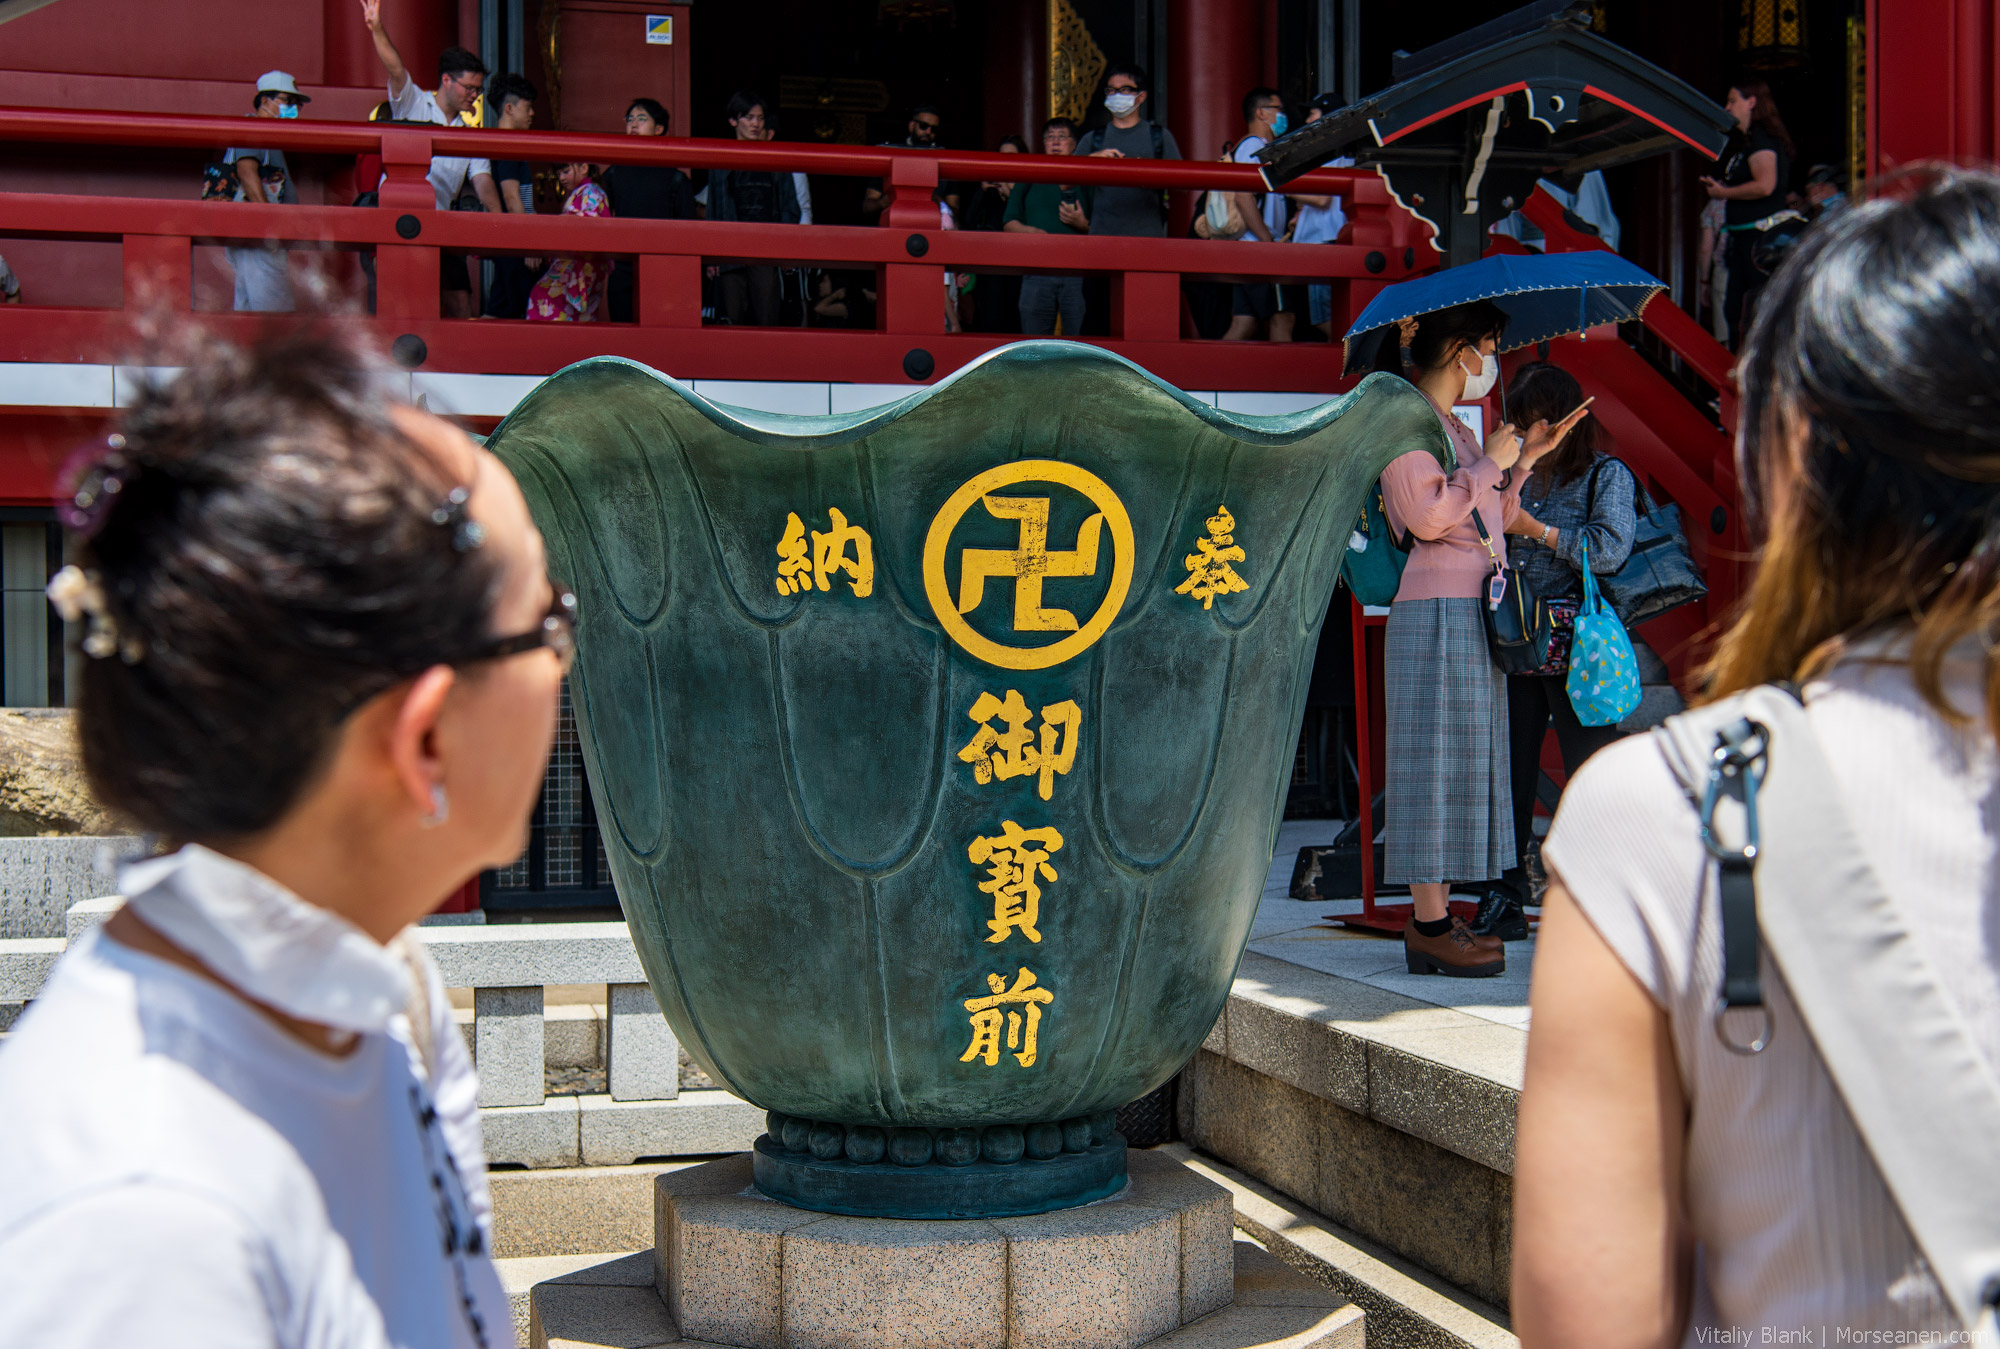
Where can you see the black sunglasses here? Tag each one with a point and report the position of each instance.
(556, 631)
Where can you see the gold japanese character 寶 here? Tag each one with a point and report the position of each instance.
(1016, 862)
(1014, 753)
(794, 572)
(830, 556)
(1022, 1019)
(1209, 572)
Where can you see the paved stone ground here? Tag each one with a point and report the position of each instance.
(1297, 931)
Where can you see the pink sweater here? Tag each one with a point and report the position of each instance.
(1435, 508)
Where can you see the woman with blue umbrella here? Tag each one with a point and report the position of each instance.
(1450, 813)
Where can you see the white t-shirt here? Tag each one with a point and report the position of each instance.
(1795, 1225)
(1322, 224)
(175, 1170)
(1274, 202)
(448, 174)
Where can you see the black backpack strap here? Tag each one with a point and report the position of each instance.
(1159, 140)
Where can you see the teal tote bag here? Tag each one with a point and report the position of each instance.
(1603, 672)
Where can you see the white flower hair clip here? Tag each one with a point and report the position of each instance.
(77, 595)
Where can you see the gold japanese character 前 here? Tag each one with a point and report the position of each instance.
(1016, 862)
(830, 556)
(1209, 572)
(1014, 753)
(1021, 1025)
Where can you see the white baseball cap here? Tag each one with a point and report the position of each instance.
(278, 82)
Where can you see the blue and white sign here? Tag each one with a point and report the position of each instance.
(659, 30)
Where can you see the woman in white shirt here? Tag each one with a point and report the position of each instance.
(324, 657)
(1668, 1188)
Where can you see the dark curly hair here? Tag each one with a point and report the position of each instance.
(269, 550)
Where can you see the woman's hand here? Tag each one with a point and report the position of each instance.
(1714, 186)
(1503, 447)
(1524, 524)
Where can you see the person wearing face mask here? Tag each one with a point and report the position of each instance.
(1450, 812)
(263, 275)
(1134, 212)
(1262, 302)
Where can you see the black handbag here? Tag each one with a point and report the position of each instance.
(1659, 574)
(1518, 628)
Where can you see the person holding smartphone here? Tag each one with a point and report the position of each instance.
(1576, 498)
(1051, 208)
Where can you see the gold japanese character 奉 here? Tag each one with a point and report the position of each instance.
(1022, 1020)
(1016, 861)
(1014, 753)
(1209, 572)
(830, 556)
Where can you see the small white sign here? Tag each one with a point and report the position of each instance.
(659, 30)
(1474, 416)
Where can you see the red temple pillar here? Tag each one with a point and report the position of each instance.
(1931, 82)
(1215, 55)
(1017, 71)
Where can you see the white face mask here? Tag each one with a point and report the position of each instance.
(1121, 103)
(1477, 386)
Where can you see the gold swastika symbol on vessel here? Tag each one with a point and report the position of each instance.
(1029, 563)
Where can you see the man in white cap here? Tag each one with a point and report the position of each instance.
(263, 280)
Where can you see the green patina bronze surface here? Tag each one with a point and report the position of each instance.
(789, 782)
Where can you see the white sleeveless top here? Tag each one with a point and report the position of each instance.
(1795, 1226)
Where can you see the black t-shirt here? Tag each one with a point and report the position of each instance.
(519, 171)
(649, 192)
(1736, 171)
(756, 196)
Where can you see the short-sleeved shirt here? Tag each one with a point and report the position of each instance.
(649, 192)
(1795, 1224)
(449, 174)
(271, 167)
(1322, 224)
(519, 171)
(1040, 205)
(1130, 211)
(1736, 171)
(1274, 202)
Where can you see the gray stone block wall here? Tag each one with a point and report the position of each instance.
(1436, 1208)
(41, 877)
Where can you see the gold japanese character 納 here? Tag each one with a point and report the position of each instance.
(1014, 752)
(830, 556)
(1022, 1019)
(1209, 572)
(1016, 862)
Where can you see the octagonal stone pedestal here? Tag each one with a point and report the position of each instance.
(1155, 1263)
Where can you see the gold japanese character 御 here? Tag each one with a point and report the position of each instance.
(1022, 1019)
(1014, 752)
(794, 572)
(1016, 862)
(1209, 572)
(830, 556)
(1029, 563)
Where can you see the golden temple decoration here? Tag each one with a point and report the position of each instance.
(1075, 63)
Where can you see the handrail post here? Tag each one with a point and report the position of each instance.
(1147, 305)
(911, 296)
(406, 274)
(159, 267)
(668, 294)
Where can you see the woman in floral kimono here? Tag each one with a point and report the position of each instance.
(572, 289)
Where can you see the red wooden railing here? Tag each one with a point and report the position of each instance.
(908, 255)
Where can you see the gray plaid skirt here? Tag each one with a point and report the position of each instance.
(1450, 813)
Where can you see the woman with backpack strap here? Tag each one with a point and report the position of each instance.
(1693, 1161)
(1449, 812)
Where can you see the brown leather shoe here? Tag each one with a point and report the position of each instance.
(1457, 953)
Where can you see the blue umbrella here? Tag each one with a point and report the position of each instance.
(1545, 295)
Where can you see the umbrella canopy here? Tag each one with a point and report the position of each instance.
(1545, 295)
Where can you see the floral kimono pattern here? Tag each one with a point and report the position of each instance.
(572, 289)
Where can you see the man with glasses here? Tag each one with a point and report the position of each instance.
(263, 275)
(1139, 212)
(461, 79)
(926, 125)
